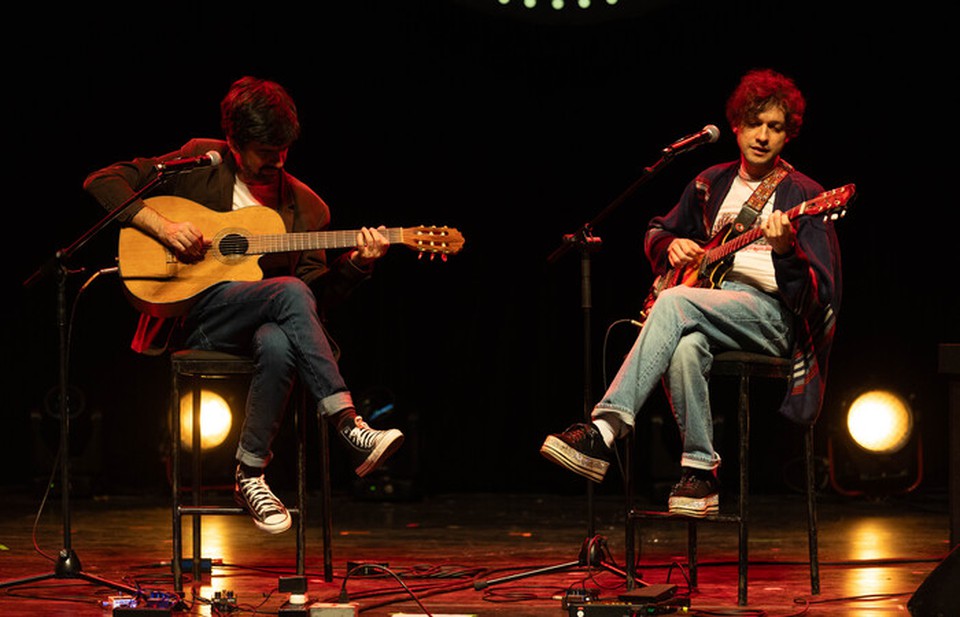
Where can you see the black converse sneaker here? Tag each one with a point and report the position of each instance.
(697, 494)
(267, 511)
(580, 449)
(369, 446)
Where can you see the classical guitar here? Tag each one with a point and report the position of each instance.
(158, 284)
(717, 259)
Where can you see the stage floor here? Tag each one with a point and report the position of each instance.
(473, 554)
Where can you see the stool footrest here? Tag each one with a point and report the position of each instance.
(223, 510)
(683, 518)
(208, 510)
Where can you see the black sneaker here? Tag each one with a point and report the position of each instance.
(370, 446)
(697, 494)
(580, 449)
(267, 511)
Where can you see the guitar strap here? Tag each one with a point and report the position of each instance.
(752, 207)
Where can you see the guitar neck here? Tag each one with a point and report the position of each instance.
(313, 240)
(724, 250)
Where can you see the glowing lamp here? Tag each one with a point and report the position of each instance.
(215, 420)
(880, 421)
(876, 449)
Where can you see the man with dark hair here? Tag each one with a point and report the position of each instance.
(278, 320)
(780, 297)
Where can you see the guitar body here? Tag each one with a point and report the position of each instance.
(150, 270)
(694, 274)
(158, 284)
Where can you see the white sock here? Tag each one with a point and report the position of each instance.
(606, 431)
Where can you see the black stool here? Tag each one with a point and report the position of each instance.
(742, 365)
(193, 367)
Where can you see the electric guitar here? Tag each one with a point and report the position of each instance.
(717, 259)
(159, 284)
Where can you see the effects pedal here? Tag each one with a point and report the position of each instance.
(647, 600)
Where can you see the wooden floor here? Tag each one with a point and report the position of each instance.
(473, 554)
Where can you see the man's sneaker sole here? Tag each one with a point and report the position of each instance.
(269, 528)
(561, 453)
(697, 507)
(388, 444)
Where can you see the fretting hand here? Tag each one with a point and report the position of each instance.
(371, 245)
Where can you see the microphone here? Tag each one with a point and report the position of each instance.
(709, 134)
(210, 159)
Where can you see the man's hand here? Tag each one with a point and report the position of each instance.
(683, 251)
(779, 232)
(183, 238)
(371, 245)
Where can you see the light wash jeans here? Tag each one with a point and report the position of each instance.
(275, 321)
(684, 329)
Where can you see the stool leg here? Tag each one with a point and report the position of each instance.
(692, 553)
(812, 514)
(744, 454)
(299, 423)
(195, 480)
(176, 563)
(326, 514)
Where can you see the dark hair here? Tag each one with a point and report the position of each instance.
(257, 110)
(761, 89)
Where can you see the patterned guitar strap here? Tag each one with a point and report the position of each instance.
(752, 207)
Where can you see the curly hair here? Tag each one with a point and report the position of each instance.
(257, 110)
(761, 89)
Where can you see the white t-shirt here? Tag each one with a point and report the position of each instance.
(242, 197)
(753, 264)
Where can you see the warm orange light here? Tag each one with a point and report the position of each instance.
(215, 420)
(880, 421)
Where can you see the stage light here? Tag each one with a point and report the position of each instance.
(875, 449)
(880, 421)
(215, 420)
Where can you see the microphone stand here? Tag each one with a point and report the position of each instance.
(68, 563)
(593, 547)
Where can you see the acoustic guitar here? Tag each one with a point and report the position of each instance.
(159, 284)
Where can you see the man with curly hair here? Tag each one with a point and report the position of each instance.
(779, 297)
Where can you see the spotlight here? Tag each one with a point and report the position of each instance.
(880, 421)
(878, 450)
(215, 420)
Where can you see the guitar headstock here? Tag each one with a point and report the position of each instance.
(433, 240)
(832, 204)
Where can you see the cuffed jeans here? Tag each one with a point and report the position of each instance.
(274, 321)
(676, 345)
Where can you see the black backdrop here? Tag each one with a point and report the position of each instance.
(514, 126)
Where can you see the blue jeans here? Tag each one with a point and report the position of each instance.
(684, 329)
(275, 322)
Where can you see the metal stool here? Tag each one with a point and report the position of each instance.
(193, 367)
(742, 365)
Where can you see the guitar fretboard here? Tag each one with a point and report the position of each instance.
(297, 241)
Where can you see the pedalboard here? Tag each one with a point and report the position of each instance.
(647, 600)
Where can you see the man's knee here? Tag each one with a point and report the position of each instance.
(295, 292)
(272, 344)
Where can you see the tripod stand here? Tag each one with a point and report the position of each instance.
(68, 563)
(593, 547)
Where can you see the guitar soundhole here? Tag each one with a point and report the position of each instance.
(233, 245)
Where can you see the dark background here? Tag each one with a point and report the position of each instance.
(515, 126)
